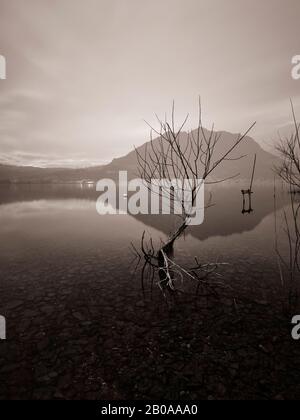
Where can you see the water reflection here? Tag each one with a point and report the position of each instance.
(54, 231)
(224, 218)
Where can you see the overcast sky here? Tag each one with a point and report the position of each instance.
(82, 75)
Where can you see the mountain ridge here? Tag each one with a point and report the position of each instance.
(243, 167)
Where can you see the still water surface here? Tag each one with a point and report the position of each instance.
(49, 222)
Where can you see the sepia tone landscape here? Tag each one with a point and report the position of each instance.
(149, 306)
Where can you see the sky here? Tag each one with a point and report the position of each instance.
(83, 75)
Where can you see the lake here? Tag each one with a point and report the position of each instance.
(79, 325)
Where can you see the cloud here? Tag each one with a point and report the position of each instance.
(46, 160)
(82, 75)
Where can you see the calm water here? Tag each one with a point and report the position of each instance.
(50, 223)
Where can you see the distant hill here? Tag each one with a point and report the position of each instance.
(28, 174)
(248, 148)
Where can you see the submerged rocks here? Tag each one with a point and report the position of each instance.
(76, 336)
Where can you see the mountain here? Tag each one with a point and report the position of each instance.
(241, 167)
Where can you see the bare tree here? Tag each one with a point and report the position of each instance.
(289, 264)
(289, 149)
(190, 158)
(289, 172)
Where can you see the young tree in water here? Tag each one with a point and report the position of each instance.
(190, 158)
